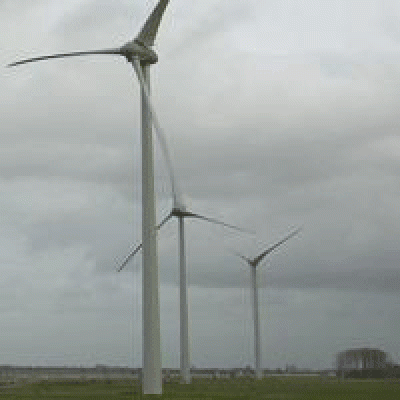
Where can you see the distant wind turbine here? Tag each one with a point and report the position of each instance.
(180, 211)
(140, 54)
(253, 264)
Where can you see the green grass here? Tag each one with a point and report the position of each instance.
(208, 389)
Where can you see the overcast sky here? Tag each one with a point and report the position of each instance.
(277, 114)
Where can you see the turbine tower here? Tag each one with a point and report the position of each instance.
(140, 54)
(180, 211)
(253, 264)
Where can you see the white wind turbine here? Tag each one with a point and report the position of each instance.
(180, 211)
(253, 264)
(140, 54)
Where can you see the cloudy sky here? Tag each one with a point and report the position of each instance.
(277, 113)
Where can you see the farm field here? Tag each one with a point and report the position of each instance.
(208, 389)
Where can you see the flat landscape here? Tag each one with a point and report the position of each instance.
(268, 388)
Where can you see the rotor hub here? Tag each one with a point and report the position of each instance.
(135, 49)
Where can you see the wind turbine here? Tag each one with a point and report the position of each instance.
(180, 211)
(253, 264)
(140, 54)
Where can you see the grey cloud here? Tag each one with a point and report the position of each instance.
(217, 21)
(278, 166)
(96, 16)
(104, 241)
(259, 140)
(379, 279)
(25, 5)
(391, 26)
(69, 162)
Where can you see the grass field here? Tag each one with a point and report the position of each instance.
(268, 388)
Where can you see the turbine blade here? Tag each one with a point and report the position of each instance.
(128, 258)
(131, 254)
(116, 51)
(148, 33)
(159, 131)
(240, 255)
(215, 221)
(257, 260)
(164, 221)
